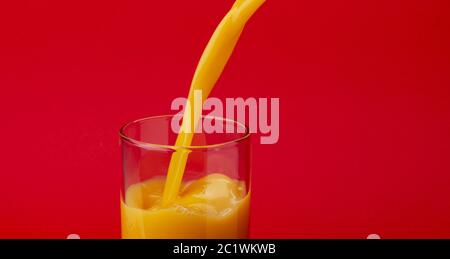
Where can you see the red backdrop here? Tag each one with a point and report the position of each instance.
(365, 110)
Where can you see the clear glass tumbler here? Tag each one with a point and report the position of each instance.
(214, 198)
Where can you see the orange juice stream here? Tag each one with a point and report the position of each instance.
(156, 208)
(209, 69)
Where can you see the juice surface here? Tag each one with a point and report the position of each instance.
(214, 206)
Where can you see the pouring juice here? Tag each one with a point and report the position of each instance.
(214, 206)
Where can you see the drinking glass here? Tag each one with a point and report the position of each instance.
(214, 199)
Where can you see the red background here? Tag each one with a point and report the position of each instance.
(365, 110)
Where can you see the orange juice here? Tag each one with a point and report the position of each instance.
(214, 206)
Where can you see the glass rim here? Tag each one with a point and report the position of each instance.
(144, 144)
